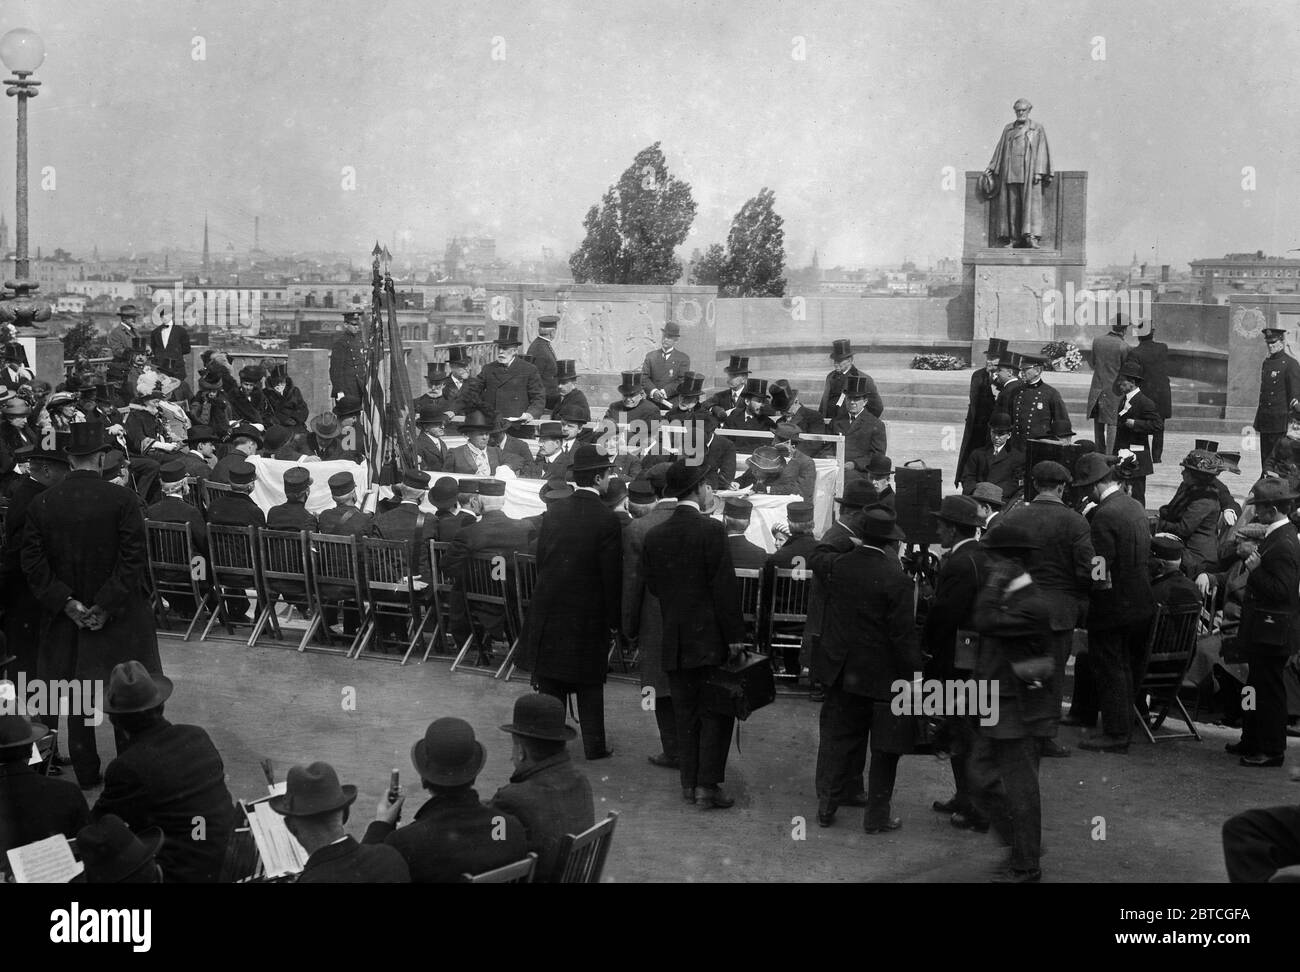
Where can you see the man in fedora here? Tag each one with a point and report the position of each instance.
(687, 566)
(476, 457)
(32, 806)
(167, 776)
(547, 793)
(509, 388)
(575, 607)
(988, 497)
(1109, 351)
(453, 834)
(979, 409)
(244, 441)
(1011, 619)
(721, 404)
(999, 462)
(755, 412)
(1061, 567)
(315, 809)
(571, 398)
(431, 453)
(633, 406)
(1039, 406)
(111, 854)
(868, 641)
(864, 433)
(835, 400)
(122, 336)
(85, 558)
(950, 619)
(542, 351)
(663, 368)
(348, 371)
(772, 470)
(1119, 617)
(1137, 418)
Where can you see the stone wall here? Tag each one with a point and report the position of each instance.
(1248, 314)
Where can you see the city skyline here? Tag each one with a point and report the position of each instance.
(244, 113)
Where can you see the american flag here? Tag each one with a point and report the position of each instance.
(389, 423)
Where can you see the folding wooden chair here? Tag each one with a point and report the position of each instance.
(286, 573)
(520, 872)
(787, 611)
(582, 857)
(1169, 652)
(205, 491)
(393, 591)
(443, 590)
(171, 571)
(487, 583)
(233, 564)
(525, 582)
(339, 582)
(751, 604)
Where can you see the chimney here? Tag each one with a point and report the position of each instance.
(257, 227)
(1164, 273)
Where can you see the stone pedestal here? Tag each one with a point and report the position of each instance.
(1015, 293)
(46, 356)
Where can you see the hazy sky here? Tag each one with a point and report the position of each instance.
(853, 139)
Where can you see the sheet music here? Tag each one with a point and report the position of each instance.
(280, 852)
(47, 861)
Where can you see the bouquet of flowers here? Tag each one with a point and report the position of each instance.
(939, 362)
(1063, 355)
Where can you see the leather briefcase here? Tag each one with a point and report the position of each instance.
(741, 689)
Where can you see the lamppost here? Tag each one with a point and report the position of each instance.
(22, 51)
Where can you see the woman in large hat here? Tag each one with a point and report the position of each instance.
(1193, 514)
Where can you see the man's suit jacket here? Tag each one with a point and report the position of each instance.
(869, 625)
(809, 422)
(1062, 565)
(577, 400)
(1273, 587)
(1012, 619)
(348, 862)
(495, 534)
(168, 776)
(460, 461)
(173, 509)
(720, 457)
(1175, 590)
(832, 407)
(538, 467)
(643, 411)
(121, 341)
(447, 525)
(551, 798)
(745, 555)
(290, 516)
(864, 437)
(1121, 536)
(665, 371)
(721, 403)
(235, 509)
(1108, 353)
(1007, 396)
(742, 418)
(177, 346)
(576, 602)
(642, 618)
(33, 807)
(543, 352)
(505, 391)
(1153, 355)
(400, 523)
(687, 565)
(1006, 469)
(431, 453)
(344, 521)
(961, 574)
(1146, 420)
(983, 397)
(453, 834)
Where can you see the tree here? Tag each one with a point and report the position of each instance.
(755, 250)
(707, 270)
(79, 340)
(639, 222)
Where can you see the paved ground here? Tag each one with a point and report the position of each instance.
(1162, 805)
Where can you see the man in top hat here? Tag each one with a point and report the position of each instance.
(244, 441)
(663, 368)
(575, 605)
(32, 806)
(458, 366)
(999, 462)
(1011, 619)
(868, 641)
(1137, 418)
(551, 461)
(476, 457)
(684, 404)
(111, 854)
(633, 406)
(1008, 382)
(168, 776)
(435, 377)
(835, 399)
(1061, 567)
(1279, 392)
(864, 433)
(571, 398)
(546, 792)
(285, 404)
(508, 388)
(169, 342)
(1153, 356)
(979, 410)
(790, 411)
(173, 507)
(122, 336)
(745, 555)
(1109, 351)
(292, 513)
(1119, 616)
(348, 360)
(687, 565)
(315, 810)
(542, 353)
(431, 453)
(1270, 625)
(1038, 405)
(85, 558)
(962, 571)
(755, 412)
(453, 834)
(722, 403)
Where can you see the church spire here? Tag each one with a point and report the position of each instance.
(205, 241)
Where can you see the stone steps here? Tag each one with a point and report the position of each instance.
(1181, 422)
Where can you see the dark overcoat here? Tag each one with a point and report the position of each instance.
(642, 619)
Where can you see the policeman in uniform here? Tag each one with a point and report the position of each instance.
(348, 359)
(663, 368)
(509, 388)
(1037, 406)
(542, 353)
(1279, 392)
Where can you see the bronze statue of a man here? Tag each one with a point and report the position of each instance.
(1022, 164)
